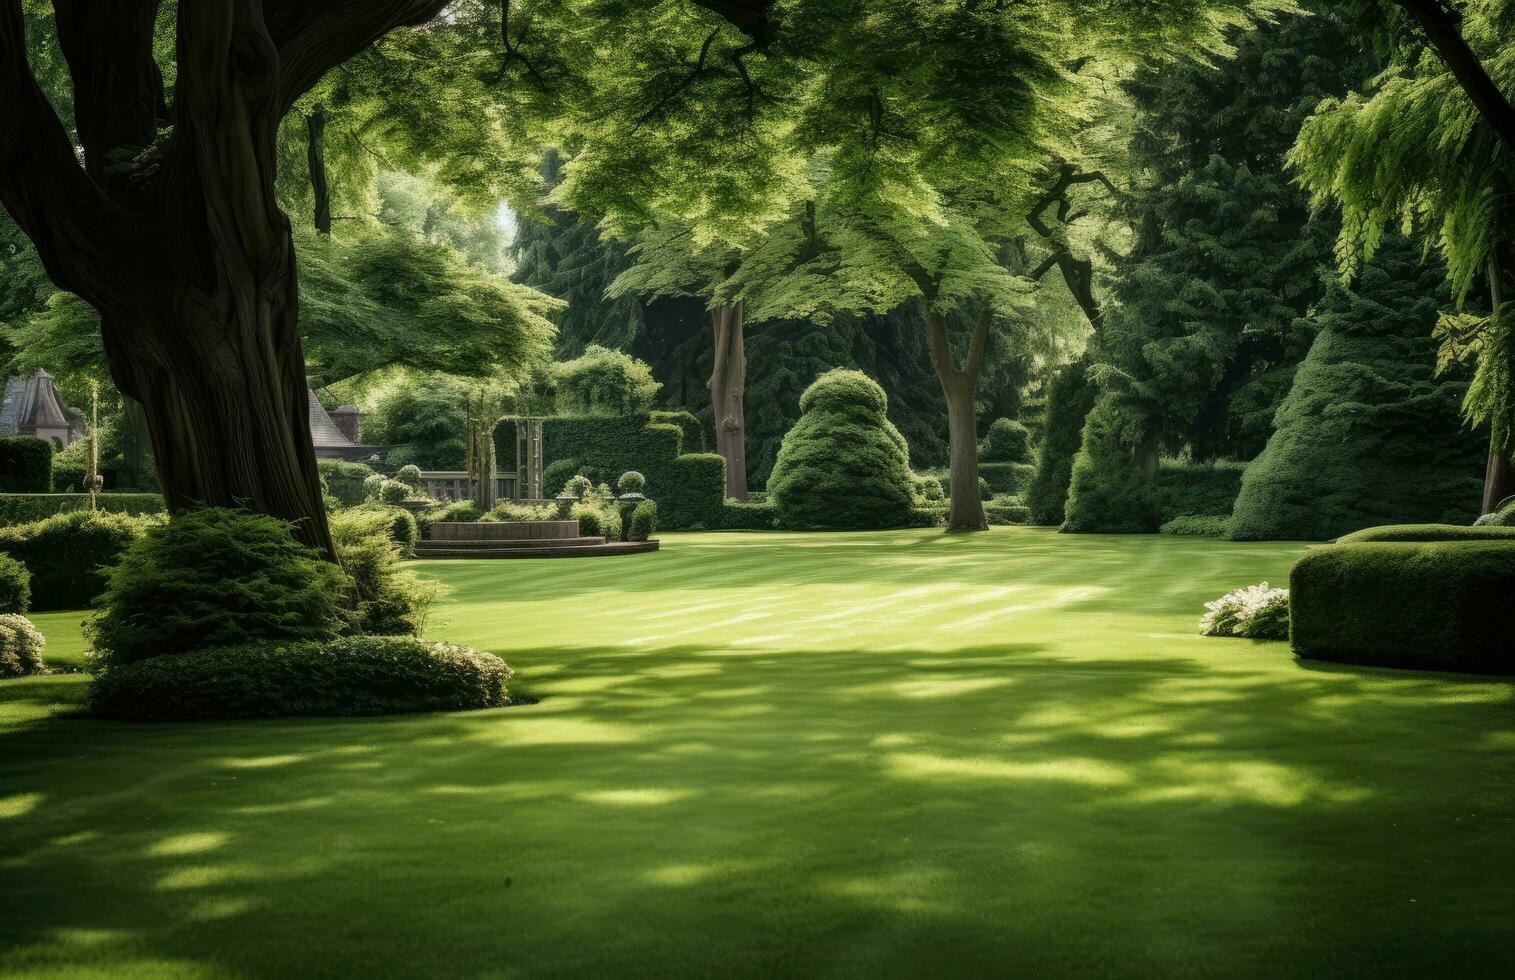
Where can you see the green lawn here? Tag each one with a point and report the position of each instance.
(864, 754)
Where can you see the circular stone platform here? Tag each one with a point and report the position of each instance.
(520, 539)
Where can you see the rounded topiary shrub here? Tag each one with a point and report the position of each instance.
(214, 577)
(67, 553)
(844, 465)
(557, 473)
(644, 521)
(631, 482)
(15, 586)
(410, 475)
(1006, 442)
(356, 675)
(393, 492)
(1108, 492)
(21, 647)
(397, 523)
(371, 485)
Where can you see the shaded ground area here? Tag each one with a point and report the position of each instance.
(865, 754)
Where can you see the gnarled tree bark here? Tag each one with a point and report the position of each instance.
(959, 385)
(178, 240)
(728, 393)
(1499, 474)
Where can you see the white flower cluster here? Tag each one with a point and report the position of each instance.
(21, 647)
(1257, 612)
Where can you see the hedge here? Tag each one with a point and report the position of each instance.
(23, 508)
(1197, 489)
(690, 488)
(67, 554)
(26, 465)
(1438, 605)
(1429, 532)
(1008, 512)
(1013, 478)
(15, 586)
(344, 480)
(358, 675)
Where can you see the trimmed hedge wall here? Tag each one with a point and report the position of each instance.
(23, 508)
(1433, 605)
(26, 465)
(1430, 532)
(1014, 478)
(344, 480)
(68, 554)
(690, 488)
(1197, 489)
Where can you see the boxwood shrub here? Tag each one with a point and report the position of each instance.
(23, 508)
(15, 586)
(644, 521)
(21, 647)
(214, 577)
(67, 554)
(1430, 532)
(26, 465)
(357, 675)
(844, 466)
(1440, 605)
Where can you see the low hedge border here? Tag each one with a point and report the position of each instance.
(1430, 532)
(23, 508)
(357, 675)
(1431, 605)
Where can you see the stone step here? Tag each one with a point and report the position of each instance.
(533, 549)
(469, 544)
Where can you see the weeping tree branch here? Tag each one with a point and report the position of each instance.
(1077, 272)
(1441, 26)
(313, 36)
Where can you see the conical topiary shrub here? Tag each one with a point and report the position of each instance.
(844, 466)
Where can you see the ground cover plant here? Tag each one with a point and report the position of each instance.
(922, 754)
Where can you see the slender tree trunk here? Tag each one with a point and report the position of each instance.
(315, 155)
(959, 384)
(1499, 474)
(728, 393)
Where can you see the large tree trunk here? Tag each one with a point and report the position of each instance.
(959, 384)
(728, 393)
(177, 240)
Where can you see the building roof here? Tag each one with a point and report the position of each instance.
(324, 433)
(31, 404)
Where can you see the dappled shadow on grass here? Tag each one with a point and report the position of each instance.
(692, 809)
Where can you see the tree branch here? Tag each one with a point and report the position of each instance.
(315, 35)
(1440, 26)
(79, 232)
(751, 17)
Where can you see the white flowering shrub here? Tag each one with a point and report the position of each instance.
(21, 647)
(1257, 612)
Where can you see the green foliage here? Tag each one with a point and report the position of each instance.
(1007, 442)
(749, 515)
(843, 465)
(599, 382)
(694, 433)
(1257, 612)
(21, 646)
(690, 488)
(23, 508)
(1429, 532)
(1198, 526)
(356, 675)
(423, 418)
(578, 486)
(597, 519)
(1007, 510)
(345, 481)
(557, 474)
(1108, 492)
(393, 492)
(506, 510)
(1208, 324)
(397, 523)
(461, 510)
(380, 597)
(1433, 605)
(631, 482)
(26, 465)
(1197, 489)
(410, 475)
(1069, 400)
(644, 521)
(1013, 478)
(68, 554)
(71, 467)
(213, 577)
(1367, 435)
(985, 491)
(374, 297)
(15, 586)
